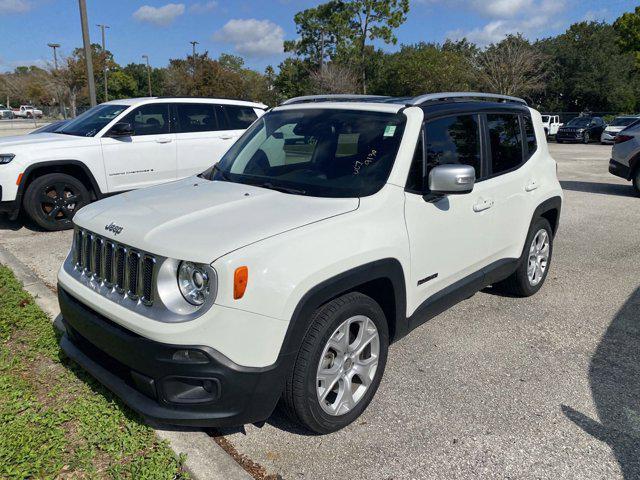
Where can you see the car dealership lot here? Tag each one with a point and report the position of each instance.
(544, 387)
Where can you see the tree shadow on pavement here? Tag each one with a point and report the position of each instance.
(598, 187)
(614, 376)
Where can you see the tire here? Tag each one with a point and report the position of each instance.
(520, 283)
(586, 138)
(67, 195)
(636, 182)
(355, 314)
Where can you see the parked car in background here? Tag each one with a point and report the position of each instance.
(616, 126)
(5, 112)
(50, 128)
(625, 155)
(551, 124)
(116, 146)
(583, 129)
(27, 111)
(333, 227)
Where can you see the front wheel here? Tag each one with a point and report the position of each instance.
(339, 365)
(586, 138)
(533, 265)
(52, 200)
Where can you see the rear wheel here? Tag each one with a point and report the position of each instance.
(636, 182)
(52, 200)
(534, 262)
(340, 364)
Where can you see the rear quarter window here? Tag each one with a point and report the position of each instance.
(239, 118)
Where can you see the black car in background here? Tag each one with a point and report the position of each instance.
(581, 129)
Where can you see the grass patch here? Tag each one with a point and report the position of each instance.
(55, 420)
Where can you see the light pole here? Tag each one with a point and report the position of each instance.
(193, 44)
(54, 47)
(87, 52)
(146, 57)
(104, 61)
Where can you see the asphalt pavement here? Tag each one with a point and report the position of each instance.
(496, 387)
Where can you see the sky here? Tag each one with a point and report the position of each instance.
(255, 29)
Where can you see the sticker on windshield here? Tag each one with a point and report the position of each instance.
(389, 131)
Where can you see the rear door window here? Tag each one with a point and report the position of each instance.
(196, 117)
(238, 117)
(505, 141)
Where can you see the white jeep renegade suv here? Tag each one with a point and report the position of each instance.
(116, 146)
(332, 228)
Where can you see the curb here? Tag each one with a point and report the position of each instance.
(206, 460)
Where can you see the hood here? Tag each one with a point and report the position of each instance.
(41, 140)
(200, 220)
(615, 129)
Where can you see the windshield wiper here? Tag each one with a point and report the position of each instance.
(279, 188)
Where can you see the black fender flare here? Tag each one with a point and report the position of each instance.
(553, 203)
(59, 163)
(388, 269)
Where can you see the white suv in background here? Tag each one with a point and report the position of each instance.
(332, 228)
(117, 146)
(616, 126)
(551, 124)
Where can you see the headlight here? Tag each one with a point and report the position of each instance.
(194, 283)
(6, 158)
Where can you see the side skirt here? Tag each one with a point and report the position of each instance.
(461, 290)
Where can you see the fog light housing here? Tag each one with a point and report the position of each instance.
(189, 356)
(191, 390)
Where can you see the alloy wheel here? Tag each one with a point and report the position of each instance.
(348, 365)
(538, 257)
(58, 201)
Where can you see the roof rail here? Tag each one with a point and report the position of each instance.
(430, 97)
(343, 97)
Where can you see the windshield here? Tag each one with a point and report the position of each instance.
(317, 152)
(545, 118)
(579, 122)
(622, 121)
(92, 121)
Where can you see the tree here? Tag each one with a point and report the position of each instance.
(511, 67)
(628, 29)
(334, 78)
(323, 31)
(588, 71)
(293, 78)
(373, 20)
(425, 68)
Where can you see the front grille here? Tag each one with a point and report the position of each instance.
(126, 270)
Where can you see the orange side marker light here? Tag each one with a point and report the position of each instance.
(240, 280)
(19, 180)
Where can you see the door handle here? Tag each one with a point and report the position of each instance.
(482, 205)
(226, 137)
(164, 140)
(531, 186)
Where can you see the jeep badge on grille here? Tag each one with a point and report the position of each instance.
(112, 227)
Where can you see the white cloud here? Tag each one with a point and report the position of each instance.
(501, 8)
(252, 37)
(161, 16)
(529, 17)
(14, 6)
(203, 7)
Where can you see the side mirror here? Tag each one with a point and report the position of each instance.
(121, 129)
(452, 179)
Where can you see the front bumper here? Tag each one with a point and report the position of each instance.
(569, 136)
(608, 137)
(213, 392)
(619, 170)
(10, 207)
